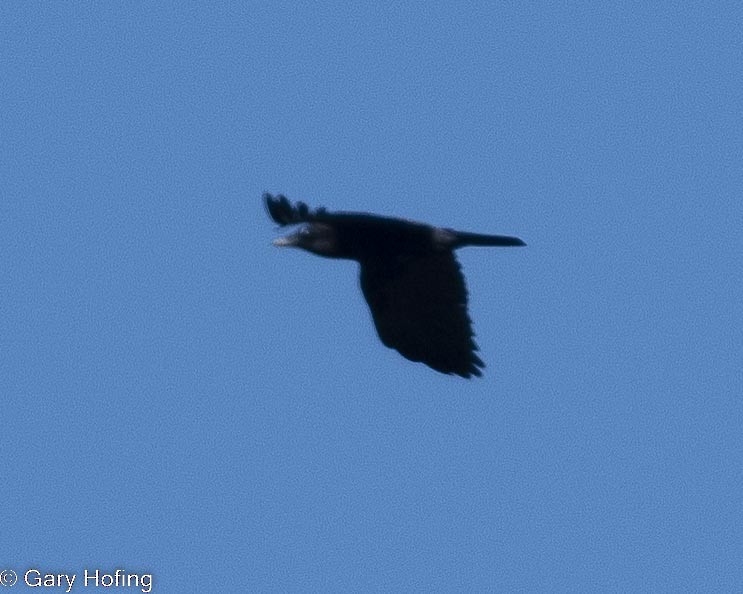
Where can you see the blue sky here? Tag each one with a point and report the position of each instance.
(183, 399)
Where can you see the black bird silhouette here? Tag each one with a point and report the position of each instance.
(409, 276)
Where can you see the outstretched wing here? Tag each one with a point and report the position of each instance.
(419, 306)
(282, 211)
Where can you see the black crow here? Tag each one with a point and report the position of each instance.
(409, 276)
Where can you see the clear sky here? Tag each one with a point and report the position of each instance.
(181, 398)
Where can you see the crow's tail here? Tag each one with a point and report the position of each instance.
(464, 239)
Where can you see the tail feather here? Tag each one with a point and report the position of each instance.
(464, 239)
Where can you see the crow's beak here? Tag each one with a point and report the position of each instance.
(288, 241)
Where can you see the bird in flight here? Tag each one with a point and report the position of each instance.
(409, 276)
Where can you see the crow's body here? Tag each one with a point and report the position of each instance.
(409, 276)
